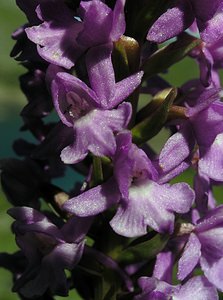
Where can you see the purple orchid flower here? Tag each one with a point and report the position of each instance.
(209, 53)
(208, 22)
(197, 287)
(204, 246)
(64, 36)
(141, 200)
(180, 16)
(204, 110)
(138, 179)
(207, 112)
(160, 285)
(209, 60)
(49, 250)
(208, 70)
(90, 111)
(24, 49)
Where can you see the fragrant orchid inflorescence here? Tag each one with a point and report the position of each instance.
(130, 227)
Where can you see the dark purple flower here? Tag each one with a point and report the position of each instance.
(34, 87)
(21, 181)
(48, 249)
(29, 7)
(24, 50)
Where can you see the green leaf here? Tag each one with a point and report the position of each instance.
(165, 57)
(111, 285)
(145, 250)
(150, 126)
(107, 286)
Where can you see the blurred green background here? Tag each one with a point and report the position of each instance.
(11, 103)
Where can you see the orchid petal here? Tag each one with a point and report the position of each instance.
(198, 288)
(96, 32)
(190, 257)
(101, 73)
(177, 148)
(164, 266)
(90, 137)
(93, 201)
(150, 204)
(211, 164)
(213, 271)
(56, 36)
(118, 22)
(122, 162)
(125, 88)
(165, 26)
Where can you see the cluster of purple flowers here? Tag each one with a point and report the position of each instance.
(125, 232)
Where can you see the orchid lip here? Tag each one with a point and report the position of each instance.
(77, 106)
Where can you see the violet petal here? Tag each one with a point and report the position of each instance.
(165, 26)
(93, 201)
(101, 72)
(198, 288)
(211, 164)
(190, 257)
